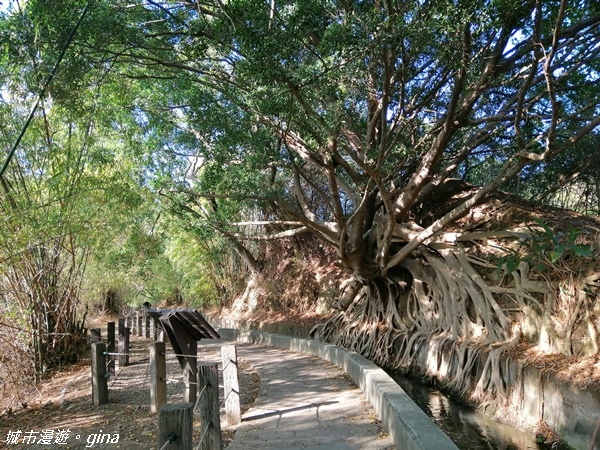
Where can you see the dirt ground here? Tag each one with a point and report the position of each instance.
(61, 415)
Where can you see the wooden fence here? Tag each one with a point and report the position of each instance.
(201, 392)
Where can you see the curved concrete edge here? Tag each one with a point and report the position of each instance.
(409, 427)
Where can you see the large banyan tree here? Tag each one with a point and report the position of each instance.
(386, 129)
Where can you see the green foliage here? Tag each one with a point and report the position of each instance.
(200, 283)
(163, 266)
(544, 248)
(555, 246)
(509, 263)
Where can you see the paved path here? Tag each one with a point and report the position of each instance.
(305, 403)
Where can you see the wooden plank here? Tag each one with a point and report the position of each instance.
(168, 331)
(179, 338)
(199, 324)
(190, 319)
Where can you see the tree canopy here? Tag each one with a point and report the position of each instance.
(340, 118)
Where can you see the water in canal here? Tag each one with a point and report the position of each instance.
(469, 429)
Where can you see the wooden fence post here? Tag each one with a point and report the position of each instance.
(155, 330)
(147, 326)
(158, 376)
(208, 384)
(110, 348)
(231, 385)
(190, 393)
(124, 347)
(99, 375)
(95, 336)
(122, 325)
(138, 316)
(175, 425)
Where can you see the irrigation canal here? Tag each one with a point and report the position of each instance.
(468, 428)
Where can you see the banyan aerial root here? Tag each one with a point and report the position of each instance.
(460, 314)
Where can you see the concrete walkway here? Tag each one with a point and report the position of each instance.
(408, 426)
(305, 403)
